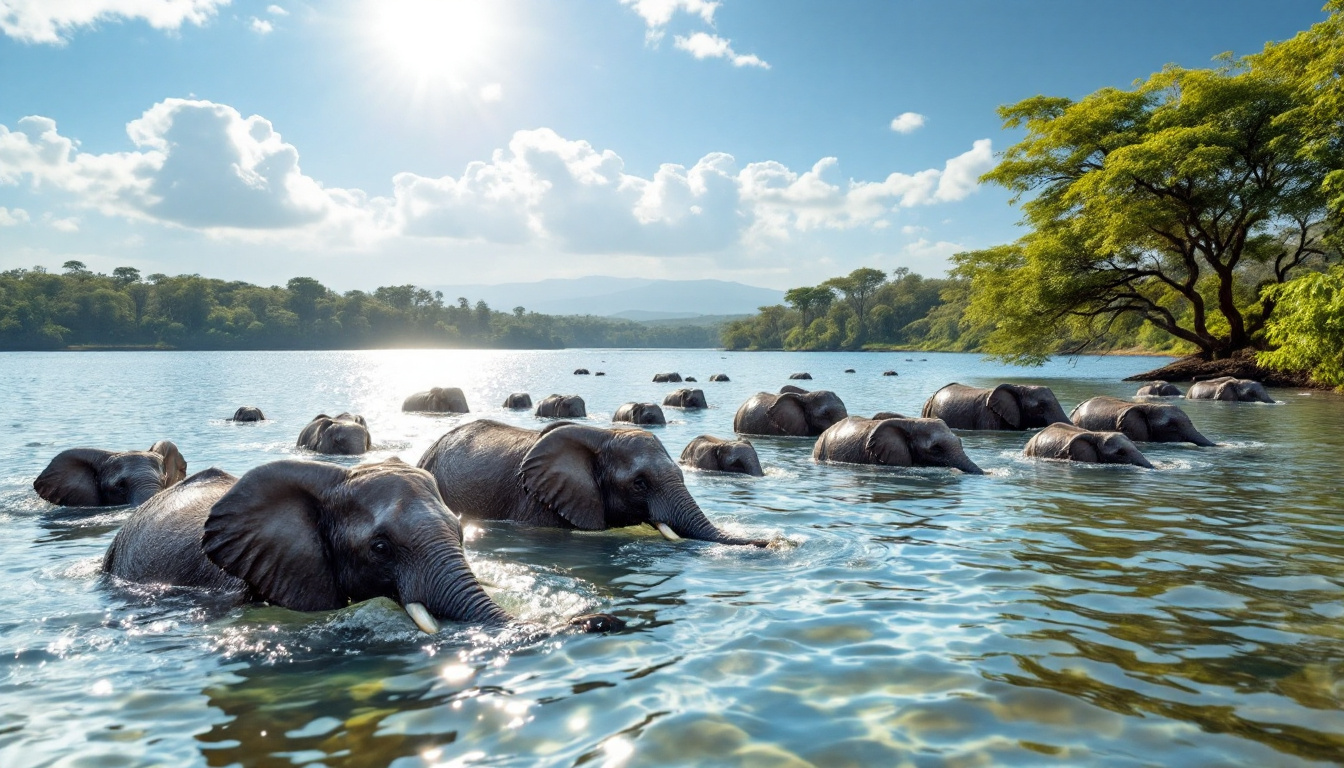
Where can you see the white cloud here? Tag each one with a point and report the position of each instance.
(492, 92)
(53, 21)
(12, 217)
(962, 173)
(907, 122)
(658, 13)
(261, 26)
(702, 45)
(276, 10)
(68, 224)
(911, 229)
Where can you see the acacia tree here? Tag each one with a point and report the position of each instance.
(858, 289)
(1178, 201)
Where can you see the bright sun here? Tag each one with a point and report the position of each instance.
(445, 38)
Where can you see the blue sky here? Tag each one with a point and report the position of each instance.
(375, 142)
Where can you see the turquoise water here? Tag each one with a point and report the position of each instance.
(1043, 614)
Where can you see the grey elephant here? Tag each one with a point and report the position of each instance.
(1007, 406)
(719, 377)
(562, 407)
(664, 378)
(1140, 422)
(800, 376)
(309, 536)
(580, 371)
(1065, 441)
(1158, 389)
(717, 455)
(437, 400)
(518, 401)
(644, 414)
(890, 373)
(342, 435)
(248, 413)
(567, 476)
(893, 442)
(689, 399)
(793, 412)
(90, 477)
(1229, 388)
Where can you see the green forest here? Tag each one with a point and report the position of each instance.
(82, 309)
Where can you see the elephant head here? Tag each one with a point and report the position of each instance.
(719, 377)
(646, 414)
(89, 477)
(665, 378)
(712, 453)
(563, 407)
(344, 435)
(686, 398)
(1158, 389)
(611, 478)
(1229, 389)
(248, 413)
(809, 413)
(437, 400)
(1024, 406)
(1140, 422)
(1105, 448)
(311, 536)
(895, 442)
(518, 401)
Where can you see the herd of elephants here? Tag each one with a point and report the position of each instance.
(310, 536)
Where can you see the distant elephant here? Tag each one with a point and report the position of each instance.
(1158, 389)
(1140, 422)
(644, 414)
(849, 370)
(600, 373)
(686, 398)
(795, 413)
(893, 442)
(567, 476)
(800, 376)
(580, 371)
(248, 413)
(718, 455)
(89, 477)
(1065, 441)
(1229, 388)
(789, 388)
(562, 407)
(518, 401)
(719, 377)
(880, 415)
(1007, 406)
(437, 400)
(890, 373)
(309, 536)
(343, 435)
(689, 378)
(664, 378)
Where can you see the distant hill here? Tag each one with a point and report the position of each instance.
(628, 297)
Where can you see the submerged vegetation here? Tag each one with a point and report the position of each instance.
(78, 308)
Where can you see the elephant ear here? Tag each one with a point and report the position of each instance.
(71, 479)
(889, 443)
(174, 465)
(267, 531)
(1003, 401)
(1133, 422)
(1081, 448)
(560, 472)
(789, 413)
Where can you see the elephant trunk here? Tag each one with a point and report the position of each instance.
(446, 589)
(677, 512)
(964, 463)
(1199, 439)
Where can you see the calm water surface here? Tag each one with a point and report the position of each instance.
(1044, 614)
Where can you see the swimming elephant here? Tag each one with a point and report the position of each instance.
(664, 378)
(518, 401)
(689, 378)
(343, 435)
(849, 370)
(562, 407)
(309, 536)
(800, 376)
(1007, 406)
(719, 377)
(580, 371)
(1229, 388)
(893, 442)
(717, 455)
(1140, 422)
(890, 373)
(90, 477)
(437, 400)
(1158, 389)
(567, 476)
(794, 412)
(646, 414)
(1065, 441)
(686, 398)
(248, 413)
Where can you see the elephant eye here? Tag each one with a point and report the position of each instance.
(641, 484)
(381, 548)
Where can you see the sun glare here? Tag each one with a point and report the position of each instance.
(436, 38)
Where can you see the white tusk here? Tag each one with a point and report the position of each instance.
(668, 532)
(420, 615)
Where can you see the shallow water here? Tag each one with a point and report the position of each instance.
(1043, 614)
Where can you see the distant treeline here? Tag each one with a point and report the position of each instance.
(79, 308)
(867, 310)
